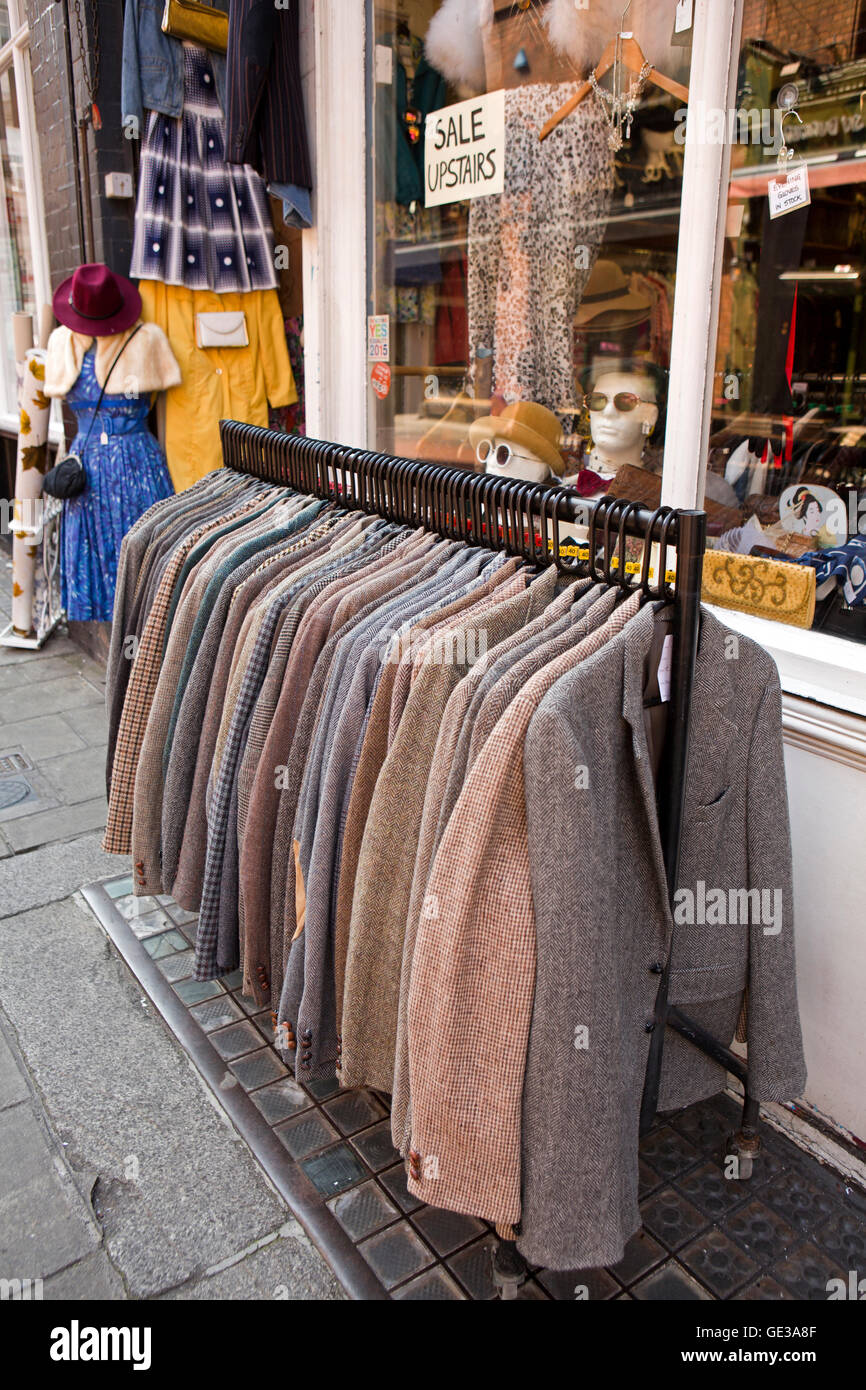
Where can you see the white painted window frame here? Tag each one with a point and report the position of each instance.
(15, 54)
(812, 665)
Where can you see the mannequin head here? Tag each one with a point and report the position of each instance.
(618, 435)
(523, 441)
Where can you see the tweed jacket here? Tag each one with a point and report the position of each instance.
(596, 956)
(252, 538)
(478, 924)
(147, 800)
(458, 713)
(301, 639)
(184, 832)
(137, 551)
(136, 706)
(264, 872)
(378, 924)
(355, 666)
(184, 822)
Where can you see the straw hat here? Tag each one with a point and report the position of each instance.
(525, 424)
(608, 292)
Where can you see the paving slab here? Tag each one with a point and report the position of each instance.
(44, 1223)
(288, 1268)
(56, 870)
(94, 1277)
(47, 737)
(90, 723)
(77, 776)
(13, 1086)
(46, 828)
(52, 697)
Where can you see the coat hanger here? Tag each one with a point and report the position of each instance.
(624, 48)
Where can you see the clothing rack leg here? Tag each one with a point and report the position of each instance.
(691, 543)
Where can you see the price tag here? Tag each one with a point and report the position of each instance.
(664, 672)
(684, 16)
(790, 193)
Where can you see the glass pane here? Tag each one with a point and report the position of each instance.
(519, 281)
(787, 475)
(17, 289)
(5, 22)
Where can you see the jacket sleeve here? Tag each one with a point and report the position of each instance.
(130, 80)
(777, 1068)
(252, 33)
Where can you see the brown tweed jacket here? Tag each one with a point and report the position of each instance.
(478, 926)
(453, 724)
(378, 921)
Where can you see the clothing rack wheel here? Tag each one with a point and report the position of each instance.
(510, 1270)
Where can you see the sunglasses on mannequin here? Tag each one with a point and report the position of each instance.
(624, 401)
(489, 452)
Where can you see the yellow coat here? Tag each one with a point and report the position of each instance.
(217, 383)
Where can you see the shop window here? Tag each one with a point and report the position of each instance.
(522, 289)
(789, 395)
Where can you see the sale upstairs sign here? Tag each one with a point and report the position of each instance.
(464, 150)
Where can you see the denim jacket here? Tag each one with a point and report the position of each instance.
(152, 73)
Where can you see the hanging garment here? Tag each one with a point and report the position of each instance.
(124, 463)
(199, 222)
(234, 383)
(265, 119)
(532, 248)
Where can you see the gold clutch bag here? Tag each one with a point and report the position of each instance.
(187, 19)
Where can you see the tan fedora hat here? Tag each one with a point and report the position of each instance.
(608, 292)
(524, 423)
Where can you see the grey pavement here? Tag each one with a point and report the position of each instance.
(120, 1176)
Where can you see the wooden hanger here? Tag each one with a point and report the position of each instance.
(632, 57)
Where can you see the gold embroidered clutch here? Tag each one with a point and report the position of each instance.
(766, 588)
(187, 19)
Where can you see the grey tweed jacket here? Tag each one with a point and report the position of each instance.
(603, 922)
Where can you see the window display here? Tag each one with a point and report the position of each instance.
(526, 178)
(789, 406)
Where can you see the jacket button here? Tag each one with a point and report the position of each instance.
(649, 1025)
(657, 967)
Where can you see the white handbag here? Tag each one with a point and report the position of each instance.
(222, 329)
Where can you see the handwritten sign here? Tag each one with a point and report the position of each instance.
(786, 195)
(464, 150)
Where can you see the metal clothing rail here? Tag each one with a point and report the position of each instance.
(538, 523)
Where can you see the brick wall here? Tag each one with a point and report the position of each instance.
(825, 30)
(56, 107)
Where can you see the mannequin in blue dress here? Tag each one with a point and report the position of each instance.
(125, 465)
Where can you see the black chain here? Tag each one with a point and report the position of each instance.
(89, 54)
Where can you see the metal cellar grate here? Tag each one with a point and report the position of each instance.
(783, 1234)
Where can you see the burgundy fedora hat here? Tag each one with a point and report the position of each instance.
(96, 302)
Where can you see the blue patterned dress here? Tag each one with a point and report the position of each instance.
(125, 476)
